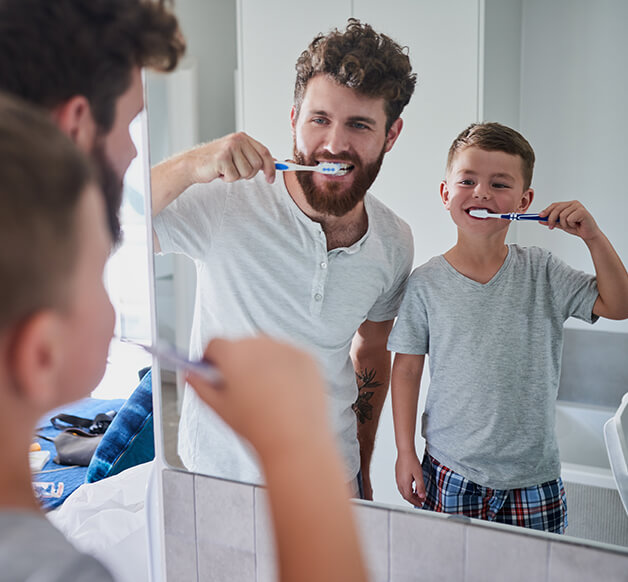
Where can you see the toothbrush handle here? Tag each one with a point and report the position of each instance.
(530, 217)
(291, 166)
(285, 166)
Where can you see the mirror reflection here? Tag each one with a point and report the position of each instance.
(535, 74)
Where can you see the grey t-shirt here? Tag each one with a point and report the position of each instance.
(263, 267)
(33, 550)
(494, 358)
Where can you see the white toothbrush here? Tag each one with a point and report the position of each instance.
(329, 168)
(483, 213)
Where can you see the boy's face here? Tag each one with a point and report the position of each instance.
(86, 326)
(480, 179)
(337, 124)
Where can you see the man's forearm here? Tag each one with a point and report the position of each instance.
(373, 377)
(168, 179)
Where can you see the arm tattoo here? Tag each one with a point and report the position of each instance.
(362, 407)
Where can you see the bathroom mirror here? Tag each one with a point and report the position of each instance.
(553, 70)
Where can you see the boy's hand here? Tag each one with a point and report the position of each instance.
(573, 218)
(272, 394)
(408, 471)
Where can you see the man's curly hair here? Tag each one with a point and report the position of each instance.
(359, 58)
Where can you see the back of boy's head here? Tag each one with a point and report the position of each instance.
(495, 137)
(362, 59)
(42, 178)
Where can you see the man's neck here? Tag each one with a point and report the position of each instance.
(341, 231)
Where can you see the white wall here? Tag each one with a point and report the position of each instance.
(574, 96)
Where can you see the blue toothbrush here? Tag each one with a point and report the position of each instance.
(482, 213)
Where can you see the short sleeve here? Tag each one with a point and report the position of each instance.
(410, 334)
(387, 305)
(189, 224)
(574, 291)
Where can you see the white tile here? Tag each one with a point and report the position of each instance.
(426, 546)
(265, 550)
(224, 530)
(373, 529)
(576, 563)
(179, 526)
(504, 554)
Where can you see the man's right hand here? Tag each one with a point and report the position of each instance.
(408, 471)
(233, 157)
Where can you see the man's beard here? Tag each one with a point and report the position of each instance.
(334, 198)
(111, 185)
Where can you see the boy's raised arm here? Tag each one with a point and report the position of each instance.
(406, 379)
(611, 275)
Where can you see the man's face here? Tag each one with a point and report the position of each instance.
(119, 147)
(337, 124)
(88, 322)
(114, 151)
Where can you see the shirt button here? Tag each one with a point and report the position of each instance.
(323, 265)
(318, 297)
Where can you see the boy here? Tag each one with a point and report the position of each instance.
(491, 318)
(56, 322)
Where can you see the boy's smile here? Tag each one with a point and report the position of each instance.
(488, 180)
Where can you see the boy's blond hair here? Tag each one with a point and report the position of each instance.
(42, 178)
(495, 137)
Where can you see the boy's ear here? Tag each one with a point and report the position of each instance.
(74, 118)
(393, 134)
(444, 193)
(526, 200)
(36, 356)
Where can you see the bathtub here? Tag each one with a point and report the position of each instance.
(583, 455)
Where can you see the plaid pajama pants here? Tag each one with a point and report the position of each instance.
(542, 507)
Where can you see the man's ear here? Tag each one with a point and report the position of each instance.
(393, 134)
(444, 193)
(36, 356)
(74, 117)
(293, 120)
(526, 200)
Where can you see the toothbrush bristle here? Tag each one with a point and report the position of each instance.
(479, 213)
(334, 168)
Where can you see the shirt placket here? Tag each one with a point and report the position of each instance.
(319, 281)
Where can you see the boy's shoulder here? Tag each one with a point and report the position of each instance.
(425, 272)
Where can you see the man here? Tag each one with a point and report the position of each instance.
(309, 257)
(81, 60)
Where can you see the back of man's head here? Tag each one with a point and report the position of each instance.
(54, 50)
(42, 178)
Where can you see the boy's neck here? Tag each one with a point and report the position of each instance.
(16, 434)
(478, 258)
